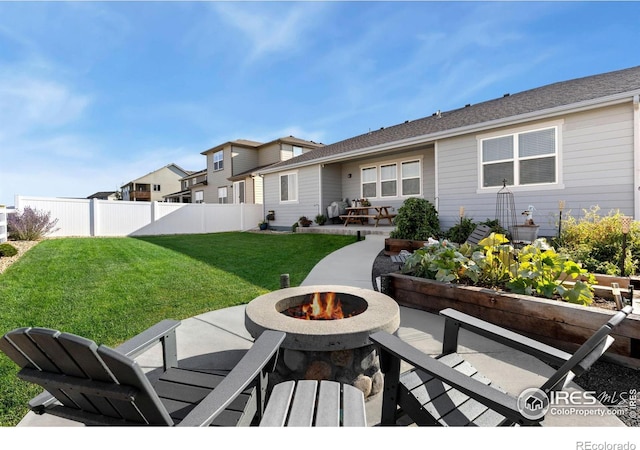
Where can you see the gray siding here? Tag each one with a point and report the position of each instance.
(308, 197)
(269, 154)
(332, 177)
(596, 168)
(243, 159)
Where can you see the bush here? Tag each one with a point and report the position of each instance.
(417, 219)
(8, 250)
(461, 231)
(596, 241)
(30, 224)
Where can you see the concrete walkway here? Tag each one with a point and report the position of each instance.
(217, 339)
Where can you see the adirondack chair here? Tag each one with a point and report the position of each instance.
(98, 385)
(449, 391)
(479, 233)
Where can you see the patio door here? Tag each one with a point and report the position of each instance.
(238, 192)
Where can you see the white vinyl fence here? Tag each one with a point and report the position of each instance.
(83, 217)
(3, 224)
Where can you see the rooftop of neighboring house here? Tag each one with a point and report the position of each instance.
(254, 144)
(554, 97)
(102, 195)
(176, 168)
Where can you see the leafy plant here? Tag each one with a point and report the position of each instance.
(8, 250)
(303, 221)
(417, 219)
(321, 219)
(536, 269)
(596, 241)
(461, 231)
(30, 224)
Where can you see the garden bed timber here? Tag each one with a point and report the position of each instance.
(395, 246)
(561, 324)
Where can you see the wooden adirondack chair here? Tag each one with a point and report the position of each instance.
(449, 391)
(97, 385)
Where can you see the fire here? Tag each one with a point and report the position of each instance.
(320, 306)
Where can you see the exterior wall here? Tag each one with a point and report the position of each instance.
(595, 168)
(82, 217)
(308, 201)
(242, 159)
(352, 187)
(218, 178)
(332, 177)
(168, 178)
(269, 154)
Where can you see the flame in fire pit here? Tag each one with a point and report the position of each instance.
(320, 306)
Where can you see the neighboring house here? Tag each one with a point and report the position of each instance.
(109, 195)
(155, 185)
(576, 141)
(192, 189)
(232, 167)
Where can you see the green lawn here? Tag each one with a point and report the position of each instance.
(109, 289)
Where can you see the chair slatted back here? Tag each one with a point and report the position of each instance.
(85, 378)
(479, 233)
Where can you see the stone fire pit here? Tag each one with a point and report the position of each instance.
(338, 349)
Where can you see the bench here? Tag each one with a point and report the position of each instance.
(307, 403)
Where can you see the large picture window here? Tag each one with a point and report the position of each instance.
(218, 160)
(521, 158)
(385, 180)
(289, 187)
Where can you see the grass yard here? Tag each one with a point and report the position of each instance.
(109, 289)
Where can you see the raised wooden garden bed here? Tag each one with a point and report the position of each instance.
(556, 323)
(395, 246)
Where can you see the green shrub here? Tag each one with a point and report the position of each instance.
(8, 250)
(460, 231)
(596, 241)
(417, 219)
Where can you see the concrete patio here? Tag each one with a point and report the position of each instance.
(217, 339)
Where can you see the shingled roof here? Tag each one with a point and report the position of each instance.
(540, 99)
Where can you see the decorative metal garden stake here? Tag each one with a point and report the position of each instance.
(561, 208)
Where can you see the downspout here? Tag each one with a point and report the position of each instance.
(320, 166)
(636, 156)
(436, 193)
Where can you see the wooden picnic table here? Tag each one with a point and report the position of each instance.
(362, 214)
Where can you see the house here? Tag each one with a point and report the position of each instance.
(153, 186)
(107, 195)
(232, 167)
(575, 142)
(192, 189)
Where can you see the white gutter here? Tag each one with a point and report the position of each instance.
(636, 156)
(507, 121)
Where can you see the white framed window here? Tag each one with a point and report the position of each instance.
(411, 179)
(297, 151)
(369, 177)
(218, 160)
(198, 197)
(288, 187)
(389, 180)
(522, 158)
(223, 195)
(392, 179)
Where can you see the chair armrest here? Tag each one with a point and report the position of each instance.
(454, 320)
(263, 351)
(498, 401)
(149, 337)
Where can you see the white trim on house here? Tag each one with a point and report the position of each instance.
(377, 165)
(636, 155)
(295, 186)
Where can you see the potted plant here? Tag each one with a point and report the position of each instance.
(321, 219)
(304, 222)
(263, 225)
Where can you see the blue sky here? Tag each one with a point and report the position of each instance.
(95, 94)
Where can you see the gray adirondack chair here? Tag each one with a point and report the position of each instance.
(449, 391)
(98, 385)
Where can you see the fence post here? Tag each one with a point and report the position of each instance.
(3, 224)
(94, 217)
